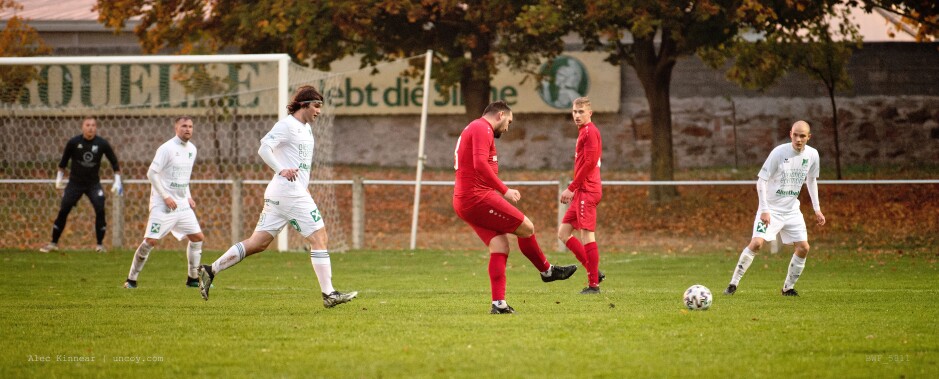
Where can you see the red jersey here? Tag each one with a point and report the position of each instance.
(587, 160)
(476, 162)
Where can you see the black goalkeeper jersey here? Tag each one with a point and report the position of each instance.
(86, 159)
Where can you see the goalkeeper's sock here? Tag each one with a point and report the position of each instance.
(593, 262)
(578, 249)
(235, 254)
(497, 277)
(323, 269)
(531, 250)
(194, 255)
(140, 258)
(746, 258)
(56, 234)
(795, 271)
(99, 234)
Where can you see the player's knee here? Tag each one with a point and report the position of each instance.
(499, 244)
(319, 240)
(526, 229)
(564, 234)
(198, 237)
(150, 241)
(755, 245)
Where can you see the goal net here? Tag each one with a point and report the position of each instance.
(233, 100)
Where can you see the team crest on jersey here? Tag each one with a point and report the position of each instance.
(94, 148)
(190, 155)
(155, 228)
(79, 146)
(805, 162)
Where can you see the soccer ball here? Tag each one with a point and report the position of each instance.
(698, 298)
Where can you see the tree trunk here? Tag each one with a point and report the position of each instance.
(474, 81)
(654, 70)
(475, 93)
(834, 118)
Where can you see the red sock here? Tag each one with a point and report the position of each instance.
(578, 249)
(593, 264)
(529, 247)
(497, 275)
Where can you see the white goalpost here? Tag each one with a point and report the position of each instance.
(420, 149)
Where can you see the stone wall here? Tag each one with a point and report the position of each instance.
(874, 130)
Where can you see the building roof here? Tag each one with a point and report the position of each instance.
(50, 10)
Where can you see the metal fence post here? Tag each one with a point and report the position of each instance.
(236, 211)
(358, 212)
(562, 208)
(117, 234)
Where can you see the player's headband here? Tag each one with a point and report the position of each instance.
(315, 102)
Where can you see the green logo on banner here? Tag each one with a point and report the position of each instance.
(565, 79)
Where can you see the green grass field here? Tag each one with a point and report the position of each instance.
(425, 314)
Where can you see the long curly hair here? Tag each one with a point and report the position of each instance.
(303, 97)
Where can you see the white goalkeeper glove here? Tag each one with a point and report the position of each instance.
(117, 187)
(58, 180)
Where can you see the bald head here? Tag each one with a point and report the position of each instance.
(802, 126)
(800, 134)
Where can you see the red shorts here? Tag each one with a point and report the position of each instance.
(489, 216)
(582, 213)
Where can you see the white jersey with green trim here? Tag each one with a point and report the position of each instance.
(173, 162)
(292, 142)
(786, 169)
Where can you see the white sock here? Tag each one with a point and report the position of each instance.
(140, 258)
(548, 272)
(323, 270)
(795, 271)
(500, 304)
(231, 257)
(746, 258)
(194, 254)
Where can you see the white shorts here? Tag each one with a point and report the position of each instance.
(300, 212)
(790, 226)
(181, 222)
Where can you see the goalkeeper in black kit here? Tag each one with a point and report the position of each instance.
(85, 151)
